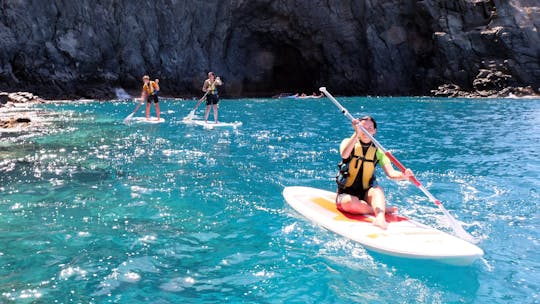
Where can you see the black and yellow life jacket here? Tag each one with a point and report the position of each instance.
(358, 166)
(150, 88)
(211, 89)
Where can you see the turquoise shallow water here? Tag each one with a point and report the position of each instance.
(95, 211)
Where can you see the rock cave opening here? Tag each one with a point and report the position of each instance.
(282, 68)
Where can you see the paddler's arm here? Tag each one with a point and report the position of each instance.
(205, 86)
(144, 93)
(347, 145)
(143, 97)
(390, 171)
(218, 81)
(138, 106)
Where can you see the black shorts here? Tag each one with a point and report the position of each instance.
(212, 99)
(360, 193)
(153, 98)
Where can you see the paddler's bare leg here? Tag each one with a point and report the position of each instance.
(147, 110)
(352, 204)
(158, 112)
(206, 112)
(215, 112)
(375, 197)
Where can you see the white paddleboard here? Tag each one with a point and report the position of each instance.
(211, 124)
(151, 120)
(403, 238)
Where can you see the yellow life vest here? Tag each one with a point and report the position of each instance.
(150, 87)
(359, 165)
(211, 88)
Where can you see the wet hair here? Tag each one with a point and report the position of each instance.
(367, 117)
(211, 73)
(146, 77)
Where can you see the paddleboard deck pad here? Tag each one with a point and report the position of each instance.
(151, 120)
(211, 125)
(404, 237)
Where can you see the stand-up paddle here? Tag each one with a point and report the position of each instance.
(128, 118)
(192, 113)
(122, 94)
(458, 230)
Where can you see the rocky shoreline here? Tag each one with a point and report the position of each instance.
(490, 82)
(16, 113)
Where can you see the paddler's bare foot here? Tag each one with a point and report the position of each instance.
(380, 221)
(391, 209)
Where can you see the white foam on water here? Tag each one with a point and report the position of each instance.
(289, 228)
(178, 284)
(121, 93)
(127, 272)
(16, 206)
(148, 239)
(130, 277)
(69, 272)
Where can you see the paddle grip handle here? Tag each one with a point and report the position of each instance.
(402, 168)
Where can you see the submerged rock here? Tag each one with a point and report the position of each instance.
(87, 49)
(14, 122)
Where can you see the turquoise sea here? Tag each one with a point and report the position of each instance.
(96, 211)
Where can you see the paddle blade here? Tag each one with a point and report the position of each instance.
(456, 226)
(190, 115)
(128, 118)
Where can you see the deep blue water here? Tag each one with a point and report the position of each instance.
(95, 211)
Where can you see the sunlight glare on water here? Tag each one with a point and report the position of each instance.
(96, 211)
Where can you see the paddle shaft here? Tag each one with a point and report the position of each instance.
(200, 101)
(128, 118)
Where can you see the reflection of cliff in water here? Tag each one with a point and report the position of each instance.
(86, 49)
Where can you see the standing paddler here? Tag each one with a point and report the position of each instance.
(212, 97)
(150, 94)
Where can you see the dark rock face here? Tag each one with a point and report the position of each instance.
(261, 47)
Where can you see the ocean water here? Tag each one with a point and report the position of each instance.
(96, 211)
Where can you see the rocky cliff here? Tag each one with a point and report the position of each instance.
(83, 48)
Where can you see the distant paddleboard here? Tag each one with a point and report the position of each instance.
(403, 238)
(211, 124)
(151, 120)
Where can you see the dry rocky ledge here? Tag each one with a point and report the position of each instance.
(492, 81)
(14, 110)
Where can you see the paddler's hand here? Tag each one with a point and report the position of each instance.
(407, 174)
(356, 126)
